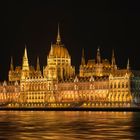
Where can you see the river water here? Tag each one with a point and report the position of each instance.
(67, 125)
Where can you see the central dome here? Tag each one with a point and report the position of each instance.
(58, 50)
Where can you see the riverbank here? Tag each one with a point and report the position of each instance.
(131, 109)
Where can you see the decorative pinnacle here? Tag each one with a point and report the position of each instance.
(25, 52)
(38, 64)
(113, 58)
(83, 58)
(11, 65)
(98, 56)
(25, 63)
(58, 36)
(128, 64)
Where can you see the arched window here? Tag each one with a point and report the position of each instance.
(91, 86)
(38, 86)
(126, 84)
(122, 84)
(111, 85)
(119, 85)
(114, 85)
(75, 87)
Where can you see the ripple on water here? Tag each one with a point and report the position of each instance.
(69, 125)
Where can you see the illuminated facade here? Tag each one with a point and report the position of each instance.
(98, 84)
(58, 62)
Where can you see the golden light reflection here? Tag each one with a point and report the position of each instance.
(69, 125)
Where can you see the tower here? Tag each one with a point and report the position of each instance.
(25, 65)
(58, 61)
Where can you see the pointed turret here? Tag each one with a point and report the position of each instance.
(38, 64)
(83, 58)
(58, 40)
(51, 51)
(128, 64)
(113, 61)
(11, 64)
(25, 63)
(98, 56)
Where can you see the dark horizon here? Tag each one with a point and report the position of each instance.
(105, 24)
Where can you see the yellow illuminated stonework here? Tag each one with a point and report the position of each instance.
(99, 83)
(97, 67)
(58, 62)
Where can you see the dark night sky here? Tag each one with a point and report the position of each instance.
(89, 24)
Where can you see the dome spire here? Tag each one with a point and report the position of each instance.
(58, 36)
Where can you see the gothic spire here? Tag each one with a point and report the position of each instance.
(113, 61)
(58, 40)
(51, 51)
(25, 63)
(98, 56)
(38, 64)
(11, 64)
(83, 57)
(128, 64)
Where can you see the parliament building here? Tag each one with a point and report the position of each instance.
(99, 83)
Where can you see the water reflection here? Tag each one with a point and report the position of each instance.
(69, 125)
